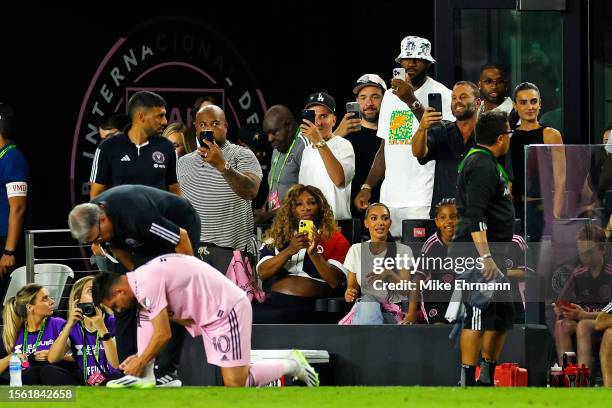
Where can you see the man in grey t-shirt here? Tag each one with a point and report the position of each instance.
(284, 137)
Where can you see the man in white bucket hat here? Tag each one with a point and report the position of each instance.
(408, 186)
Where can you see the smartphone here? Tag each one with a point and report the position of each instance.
(399, 73)
(88, 309)
(353, 107)
(306, 226)
(205, 135)
(308, 114)
(434, 100)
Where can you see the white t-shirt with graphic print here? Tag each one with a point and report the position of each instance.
(407, 183)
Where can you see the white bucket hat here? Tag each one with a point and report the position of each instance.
(415, 47)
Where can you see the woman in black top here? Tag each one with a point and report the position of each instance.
(527, 103)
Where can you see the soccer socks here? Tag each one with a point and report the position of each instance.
(468, 375)
(264, 372)
(487, 373)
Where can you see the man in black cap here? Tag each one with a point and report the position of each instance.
(328, 162)
(361, 130)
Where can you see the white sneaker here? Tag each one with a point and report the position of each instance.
(168, 380)
(130, 381)
(304, 372)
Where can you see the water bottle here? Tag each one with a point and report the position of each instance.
(15, 370)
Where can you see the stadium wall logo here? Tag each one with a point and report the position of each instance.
(179, 58)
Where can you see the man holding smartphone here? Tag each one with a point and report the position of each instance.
(360, 129)
(407, 187)
(447, 142)
(328, 162)
(220, 179)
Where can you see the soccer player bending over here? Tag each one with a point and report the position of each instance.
(203, 300)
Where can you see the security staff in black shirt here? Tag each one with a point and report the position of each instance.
(486, 214)
(139, 222)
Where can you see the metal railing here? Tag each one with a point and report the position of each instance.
(56, 246)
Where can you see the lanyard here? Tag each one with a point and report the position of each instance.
(284, 162)
(25, 337)
(499, 166)
(7, 149)
(96, 351)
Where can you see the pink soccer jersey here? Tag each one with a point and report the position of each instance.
(187, 287)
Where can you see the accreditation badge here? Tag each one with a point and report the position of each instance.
(273, 201)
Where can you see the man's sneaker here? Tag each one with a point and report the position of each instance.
(168, 380)
(129, 381)
(304, 372)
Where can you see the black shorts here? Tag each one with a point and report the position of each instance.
(498, 316)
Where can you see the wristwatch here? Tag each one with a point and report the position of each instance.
(416, 105)
(319, 145)
(226, 167)
(365, 186)
(106, 337)
(8, 252)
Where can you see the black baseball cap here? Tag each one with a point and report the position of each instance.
(322, 98)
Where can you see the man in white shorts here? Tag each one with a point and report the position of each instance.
(196, 295)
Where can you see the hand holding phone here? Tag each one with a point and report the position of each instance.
(205, 135)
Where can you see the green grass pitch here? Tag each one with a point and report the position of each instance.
(293, 397)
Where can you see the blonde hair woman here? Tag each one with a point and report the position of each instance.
(29, 331)
(182, 138)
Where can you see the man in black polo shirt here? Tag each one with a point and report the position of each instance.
(447, 142)
(138, 154)
(486, 214)
(140, 223)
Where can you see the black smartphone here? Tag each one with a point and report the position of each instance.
(308, 114)
(434, 100)
(206, 135)
(88, 309)
(353, 107)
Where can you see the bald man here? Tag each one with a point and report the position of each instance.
(220, 179)
(288, 144)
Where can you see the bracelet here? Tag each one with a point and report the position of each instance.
(8, 252)
(485, 256)
(365, 186)
(319, 145)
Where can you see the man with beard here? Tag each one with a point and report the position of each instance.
(138, 154)
(493, 83)
(361, 133)
(447, 142)
(407, 186)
